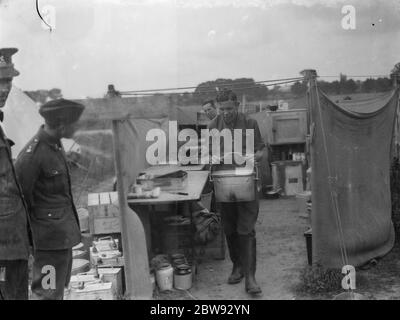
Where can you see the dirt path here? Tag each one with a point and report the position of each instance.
(281, 256)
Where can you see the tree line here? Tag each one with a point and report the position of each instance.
(346, 86)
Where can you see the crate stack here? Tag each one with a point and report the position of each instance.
(98, 263)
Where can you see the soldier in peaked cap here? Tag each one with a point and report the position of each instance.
(44, 176)
(14, 239)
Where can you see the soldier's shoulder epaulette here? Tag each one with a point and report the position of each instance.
(31, 146)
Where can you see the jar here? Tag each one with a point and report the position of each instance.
(183, 277)
(164, 277)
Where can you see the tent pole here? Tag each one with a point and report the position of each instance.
(310, 76)
(137, 276)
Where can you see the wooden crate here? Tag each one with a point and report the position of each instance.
(286, 127)
(103, 213)
(111, 258)
(113, 275)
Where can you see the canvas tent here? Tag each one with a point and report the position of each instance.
(350, 159)
(21, 119)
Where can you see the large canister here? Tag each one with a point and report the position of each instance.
(287, 176)
(164, 277)
(234, 185)
(183, 277)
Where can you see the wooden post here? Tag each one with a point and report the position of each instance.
(137, 275)
(243, 103)
(310, 75)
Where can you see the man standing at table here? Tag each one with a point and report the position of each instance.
(45, 180)
(239, 218)
(14, 239)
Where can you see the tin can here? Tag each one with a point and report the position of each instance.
(164, 277)
(183, 277)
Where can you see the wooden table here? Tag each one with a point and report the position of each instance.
(196, 181)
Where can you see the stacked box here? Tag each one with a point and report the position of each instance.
(103, 213)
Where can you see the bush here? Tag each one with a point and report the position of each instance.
(318, 280)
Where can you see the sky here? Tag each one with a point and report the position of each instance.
(149, 44)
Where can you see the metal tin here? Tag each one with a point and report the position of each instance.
(164, 277)
(183, 277)
(234, 185)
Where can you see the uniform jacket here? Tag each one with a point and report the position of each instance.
(43, 173)
(14, 239)
(241, 122)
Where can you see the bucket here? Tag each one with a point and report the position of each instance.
(234, 185)
(183, 277)
(288, 176)
(164, 277)
(308, 236)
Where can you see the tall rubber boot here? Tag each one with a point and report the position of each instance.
(249, 261)
(233, 246)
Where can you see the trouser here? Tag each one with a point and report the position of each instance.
(51, 273)
(239, 217)
(13, 279)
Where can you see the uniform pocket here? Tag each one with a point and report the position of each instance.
(48, 214)
(8, 206)
(55, 180)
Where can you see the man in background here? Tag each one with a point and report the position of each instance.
(44, 176)
(209, 109)
(14, 239)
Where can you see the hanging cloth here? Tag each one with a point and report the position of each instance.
(350, 159)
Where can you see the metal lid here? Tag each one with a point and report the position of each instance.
(163, 266)
(233, 172)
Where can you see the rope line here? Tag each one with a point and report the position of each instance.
(194, 87)
(267, 83)
(213, 91)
